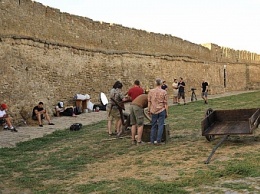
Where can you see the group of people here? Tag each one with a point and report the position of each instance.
(156, 101)
(38, 114)
(179, 91)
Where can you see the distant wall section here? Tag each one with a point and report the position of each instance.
(32, 19)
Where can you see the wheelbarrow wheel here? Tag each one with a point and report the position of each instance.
(209, 137)
(207, 113)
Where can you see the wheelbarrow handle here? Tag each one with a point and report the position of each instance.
(215, 148)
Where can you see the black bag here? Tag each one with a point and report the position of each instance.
(75, 126)
(100, 107)
(2, 121)
(68, 112)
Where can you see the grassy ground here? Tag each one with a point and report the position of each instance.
(84, 162)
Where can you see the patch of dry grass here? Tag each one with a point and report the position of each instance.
(81, 162)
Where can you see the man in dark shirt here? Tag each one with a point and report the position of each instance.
(40, 113)
(164, 86)
(181, 87)
(204, 91)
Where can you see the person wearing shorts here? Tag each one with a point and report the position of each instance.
(204, 91)
(175, 91)
(181, 94)
(5, 119)
(137, 117)
(40, 113)
(113, 112)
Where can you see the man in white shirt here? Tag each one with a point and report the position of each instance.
(5, 119)
(175, 91)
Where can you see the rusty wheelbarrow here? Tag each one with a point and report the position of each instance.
(228, 122)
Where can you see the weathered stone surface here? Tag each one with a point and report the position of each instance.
(50, 56)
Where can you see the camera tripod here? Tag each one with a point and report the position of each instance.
(193, 95)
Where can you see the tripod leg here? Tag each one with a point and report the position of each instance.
(192, 96)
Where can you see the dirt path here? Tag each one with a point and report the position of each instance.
(25, 133)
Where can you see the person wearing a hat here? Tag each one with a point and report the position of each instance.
(5, 119)
(61, 110)
(40, 113)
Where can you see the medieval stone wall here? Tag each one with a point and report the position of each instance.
(32, 19)
(48, 56)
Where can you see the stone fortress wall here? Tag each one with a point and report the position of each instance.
(47, 55)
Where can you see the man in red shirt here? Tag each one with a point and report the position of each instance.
(135, 91)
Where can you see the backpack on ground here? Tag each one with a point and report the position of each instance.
(75, 126)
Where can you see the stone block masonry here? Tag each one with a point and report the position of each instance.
(48, 56)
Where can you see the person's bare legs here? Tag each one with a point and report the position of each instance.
(205, 99)
(175, 99)
(47, 117)
(133, 132)
(8, 121)
(139, 133)
(9, 124)
(58, 113)
(109, 124)
(39, 118)
(119, 127)
(115, 126)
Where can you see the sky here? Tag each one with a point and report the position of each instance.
(228, 23)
